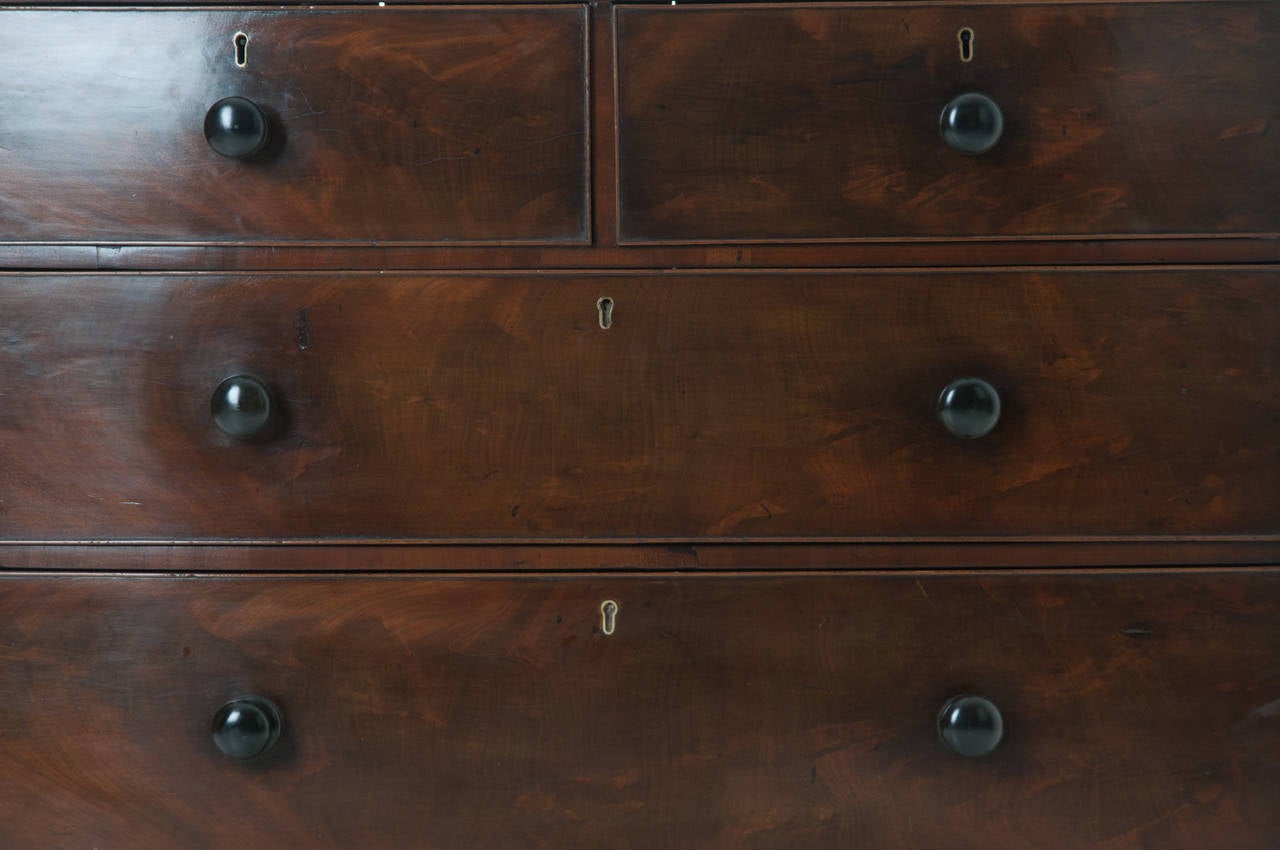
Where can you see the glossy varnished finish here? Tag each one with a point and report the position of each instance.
(640, 258)
(427, 125)
(758, 406)
(341, 556)
(454, 478)
(603, 251)
(772, 122)
(773, 713)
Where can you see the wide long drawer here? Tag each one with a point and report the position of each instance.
(825, 121)
(754, 711)
(763, 406)
(420, 125)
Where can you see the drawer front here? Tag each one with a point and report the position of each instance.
(776, 123)
(763, 712)
(383, 125)
(714, 406)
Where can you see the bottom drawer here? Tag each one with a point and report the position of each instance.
(729, 711)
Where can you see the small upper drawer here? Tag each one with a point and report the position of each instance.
(383, 125)
(825, 123)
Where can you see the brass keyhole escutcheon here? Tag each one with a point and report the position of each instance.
(608, 616)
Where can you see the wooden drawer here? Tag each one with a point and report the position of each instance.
(786, 713)
(795, 122)
(423, 125)
(750, 406)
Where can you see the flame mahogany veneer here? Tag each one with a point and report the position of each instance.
(752, 407)
(725, 711)
(521, 426)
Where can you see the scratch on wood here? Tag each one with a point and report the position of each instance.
(1271, 709)
(304, 330)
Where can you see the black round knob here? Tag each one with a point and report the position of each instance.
(971, 123)
(236, 127)
(247, 727)
(970, 725)
(969, 407)
(242, 408)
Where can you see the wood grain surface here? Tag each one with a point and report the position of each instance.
(425, 125)
(609, 257)
(746, 461)
(762, 712)
(748, 407)
(336, 556)
(784, 122)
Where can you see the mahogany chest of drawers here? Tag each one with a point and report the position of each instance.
(784, 426)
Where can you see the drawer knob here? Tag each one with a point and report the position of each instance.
(970, 725)
(969, 408)
(972, 123)
(236, 127)
(247, 727)
(242, 407)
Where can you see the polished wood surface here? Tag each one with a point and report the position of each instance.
(427, 125)
(604, 251)
(439, 558)
(638, 258)
(751, 711)
(750, 406)
(452, 466)
(783, 122)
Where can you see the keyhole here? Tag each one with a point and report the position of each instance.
(242, 49)
(965, 37)
(605, 308)
(608, 616)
